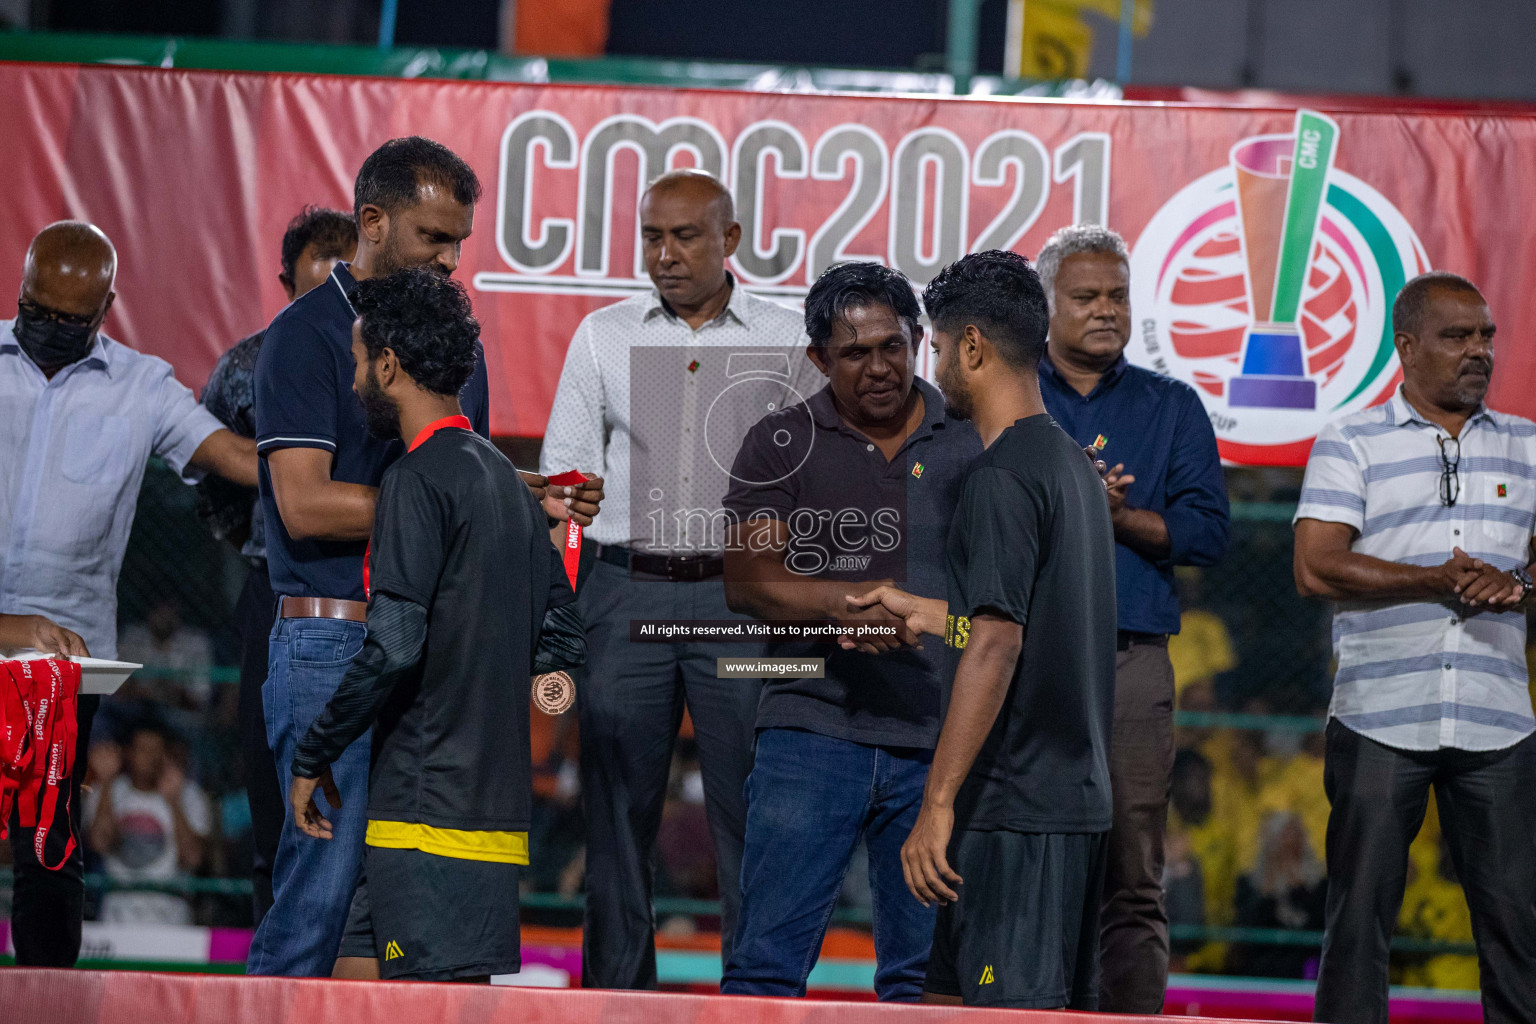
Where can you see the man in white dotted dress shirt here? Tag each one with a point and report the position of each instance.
(658, 391)
(1416, 518)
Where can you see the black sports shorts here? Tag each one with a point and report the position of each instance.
(1025, 931)
(431, 918)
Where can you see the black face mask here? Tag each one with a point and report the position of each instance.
(51, 343)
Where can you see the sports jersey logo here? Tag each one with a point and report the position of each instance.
(1268, 286)
(987, 977)
(957, 631)
(392, 951)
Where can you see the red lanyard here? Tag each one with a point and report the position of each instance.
(37, 745)
(572, 550)
(462, 422)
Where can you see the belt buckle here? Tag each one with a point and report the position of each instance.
(686, 568)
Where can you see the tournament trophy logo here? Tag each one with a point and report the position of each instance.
(1268, 286)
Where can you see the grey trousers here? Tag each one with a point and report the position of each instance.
(630, 702)
(1133, 927)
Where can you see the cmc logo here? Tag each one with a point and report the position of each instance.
(1268, 286)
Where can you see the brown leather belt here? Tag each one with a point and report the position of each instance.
(322, 608)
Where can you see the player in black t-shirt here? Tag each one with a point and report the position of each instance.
(1011, 838)
(461, 573)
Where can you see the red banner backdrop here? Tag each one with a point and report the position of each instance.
(1267, 244)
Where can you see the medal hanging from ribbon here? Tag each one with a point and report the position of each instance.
(572, 549)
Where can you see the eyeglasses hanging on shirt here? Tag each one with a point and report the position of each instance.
(1450, 480)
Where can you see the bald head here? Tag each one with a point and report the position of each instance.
(69, 269)
(688, 230)
(697, 187)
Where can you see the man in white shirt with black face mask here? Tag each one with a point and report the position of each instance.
(80, 415)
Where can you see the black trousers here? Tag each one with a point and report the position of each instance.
(46, 906)
(630, 701)
(254, 613)
(1487, 804)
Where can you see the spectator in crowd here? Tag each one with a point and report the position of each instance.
(1431, 690)
(1202, 648)
(1201, 844)
(1435, 908)
(1284, 890)
(632, 695)
(315, 241)
(80, 415)
(149, 824)
(1169, 503)
(177, 658)
(876, 443)
(682, 843)
(320, 468)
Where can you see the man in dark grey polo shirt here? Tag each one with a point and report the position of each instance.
(851, 488)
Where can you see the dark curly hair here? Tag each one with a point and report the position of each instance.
(425, 319)
(393, 173)
(857, 285)
(998, 292)
(333, 233)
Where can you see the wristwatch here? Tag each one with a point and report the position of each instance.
(1526, 586)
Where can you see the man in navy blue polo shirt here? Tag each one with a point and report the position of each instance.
(1168, 503)
(850, 489)
(414, 202)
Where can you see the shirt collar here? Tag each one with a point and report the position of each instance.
(98, 358)
(456, 420)
(824, 409)
(1107, 380)
(341, 274)
(1401, 411)
(735, 306)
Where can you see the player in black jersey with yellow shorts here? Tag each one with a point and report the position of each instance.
(1011, 838)
(461, 574)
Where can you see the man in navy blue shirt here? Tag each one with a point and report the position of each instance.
(1168, 504)
(320, 470)
(828, 497)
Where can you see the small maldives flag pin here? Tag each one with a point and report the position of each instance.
(1100, 441)
(1503, 490)
(917, 470)
(693, 366)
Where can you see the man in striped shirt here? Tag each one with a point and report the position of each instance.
(1416, 518)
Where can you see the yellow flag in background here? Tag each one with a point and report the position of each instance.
(1050, 39)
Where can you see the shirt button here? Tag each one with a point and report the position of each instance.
(1447, 666)
(869, 447)
(1454, 620)
(1456, 532)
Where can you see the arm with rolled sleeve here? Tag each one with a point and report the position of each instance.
(577, 427)
(1196, 514)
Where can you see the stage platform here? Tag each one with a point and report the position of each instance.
(133, 997)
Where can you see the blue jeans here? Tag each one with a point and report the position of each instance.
(312, 879)
(809, 799)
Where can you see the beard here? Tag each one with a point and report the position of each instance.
(957, 396)
(383, 415)
(391, 257)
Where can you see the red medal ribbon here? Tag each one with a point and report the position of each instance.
(37, 746)
(573, 531)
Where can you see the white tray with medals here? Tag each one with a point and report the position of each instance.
(97, 675)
